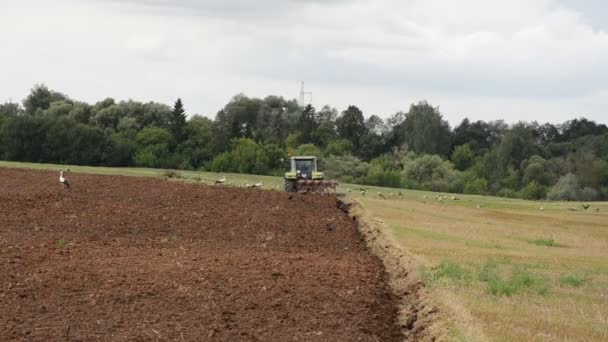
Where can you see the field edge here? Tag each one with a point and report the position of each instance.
(424, 315)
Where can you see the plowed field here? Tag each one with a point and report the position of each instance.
(119, 258)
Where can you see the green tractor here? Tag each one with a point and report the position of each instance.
(304, 177)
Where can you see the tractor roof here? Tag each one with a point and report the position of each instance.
(304, 157)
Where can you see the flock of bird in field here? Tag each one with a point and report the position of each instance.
(439, 197)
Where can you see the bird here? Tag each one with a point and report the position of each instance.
(400, 193)
(363, 192)
(542, 208)
(391, 194)
(586, 206)
(381, 195)
(480, 205)
(221, 180)
(64, 181)
(256, 185)
(347, 189)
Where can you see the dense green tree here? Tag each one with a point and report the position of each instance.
(463, 157)
(347, 169)
(22, 138)
(40, 99)
(339, 147)
(153, 148)
(307, 125)
(326, 130)
(425, 131)
(177, 121)
(479, 135)
(120, 150)
(68, 142)
(197, 148)
(428, 172)
(568, 189)
(351, 125)
(534, 191)
(577, 128)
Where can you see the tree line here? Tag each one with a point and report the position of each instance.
(416, 149)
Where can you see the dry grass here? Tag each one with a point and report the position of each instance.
(519, 272)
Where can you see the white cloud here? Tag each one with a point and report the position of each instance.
(488, 59)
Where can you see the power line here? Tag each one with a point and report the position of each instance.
(303, 95)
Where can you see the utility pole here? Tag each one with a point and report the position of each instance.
(303, 95)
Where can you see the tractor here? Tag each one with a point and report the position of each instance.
(304, 177)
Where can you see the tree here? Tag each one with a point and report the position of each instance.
(120, 150)
(247, 156)
(197, 148)
(351, 125)
(325, 126)
(347, 168)
(339, 147)
(424, 130)
(307, 124)
(577, 128)
(177, 121)
(428, 172)
(518, 144)
(22, 138)
(534, 170)
(153, 148)
(463, 157)
(40, 98)
(481, 136)
(534, 191)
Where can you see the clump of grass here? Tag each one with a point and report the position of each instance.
(488, 271)
(448, 270)
(62, 243)
(546, 242)
(519, 281)
(573, 280)
(172, 174)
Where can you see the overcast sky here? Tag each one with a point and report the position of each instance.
(544, 60)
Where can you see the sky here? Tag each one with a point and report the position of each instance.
(530, 60)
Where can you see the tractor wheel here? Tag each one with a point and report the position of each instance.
(290, 186)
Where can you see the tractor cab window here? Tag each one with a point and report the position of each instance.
(305, 167)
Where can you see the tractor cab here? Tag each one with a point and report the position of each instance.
(304, 167)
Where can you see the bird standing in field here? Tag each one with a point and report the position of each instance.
(64, 181)
(256, 185)
(221, 180)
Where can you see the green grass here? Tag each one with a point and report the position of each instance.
(446, 270)
(573, 280)
(62, 243)
(546, 243)
(520, 280)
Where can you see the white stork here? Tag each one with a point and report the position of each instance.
(257, 185)
(64, 181)
(221, 180)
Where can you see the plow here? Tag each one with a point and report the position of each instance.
(303, 176)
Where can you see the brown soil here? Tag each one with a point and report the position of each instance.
(119, 258)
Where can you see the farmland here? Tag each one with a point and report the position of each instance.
(127, 258)
(497, 269)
